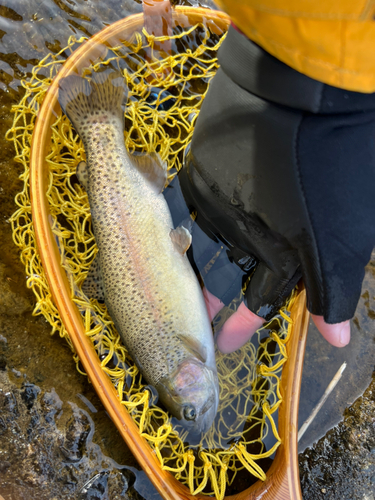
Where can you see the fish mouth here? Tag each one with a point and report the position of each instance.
(203, 424)
(193, 384)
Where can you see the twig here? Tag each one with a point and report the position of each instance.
(322, 400)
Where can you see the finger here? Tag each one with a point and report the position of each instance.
(337, 334)
(213, 304)
(238, 329)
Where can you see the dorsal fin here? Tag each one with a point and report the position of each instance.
(153, 169)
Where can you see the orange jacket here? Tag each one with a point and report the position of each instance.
(332, 41)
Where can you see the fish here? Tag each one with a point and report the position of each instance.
(141, 270)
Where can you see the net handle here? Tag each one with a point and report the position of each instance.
(157, 15)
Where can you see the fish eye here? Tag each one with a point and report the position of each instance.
(189, 412)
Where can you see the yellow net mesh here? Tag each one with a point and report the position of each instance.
(155, 121)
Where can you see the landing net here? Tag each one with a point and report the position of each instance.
(165, 99)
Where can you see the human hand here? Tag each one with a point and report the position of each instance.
(273, 170)
(243, 323)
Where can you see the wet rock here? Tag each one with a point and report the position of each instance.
(17, 373)
(77, 432)
(29, 394)
(3, 362)
(51, 404)
(4, 466)
(95, 488)
(31, 463)
(68, 478)
(8, 403)
(103, 485)
(343, 462)
(34, 421)
(3, 425)
(118, 485)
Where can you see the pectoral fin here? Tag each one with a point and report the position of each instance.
(93, 285)
(181, 239)
(195, 347)
(152, 168)
(154, 395)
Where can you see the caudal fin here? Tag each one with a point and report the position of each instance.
(81, 99)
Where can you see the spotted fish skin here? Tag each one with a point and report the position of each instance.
(150, 289)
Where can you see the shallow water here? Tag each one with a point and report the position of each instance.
(33, 363)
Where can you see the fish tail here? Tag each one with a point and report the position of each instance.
(105, 95)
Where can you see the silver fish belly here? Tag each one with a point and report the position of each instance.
(150, 289)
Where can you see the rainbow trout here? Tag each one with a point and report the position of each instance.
(150, 289)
